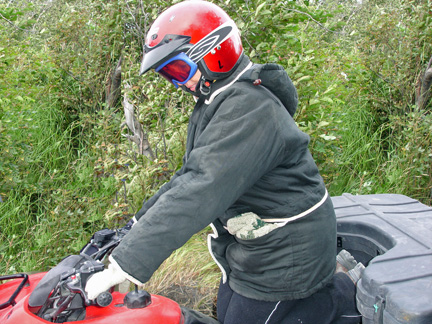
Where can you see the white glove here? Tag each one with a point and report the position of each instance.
(104, 280)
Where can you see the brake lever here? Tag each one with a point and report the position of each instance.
(23, 283)
(78, 290)
(104, 250)
(104, 241)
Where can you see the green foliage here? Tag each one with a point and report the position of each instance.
(281, 22)
(386, 133)
(85, 43)
(394, 48)
(52, 198)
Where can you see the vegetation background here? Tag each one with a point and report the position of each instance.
(68, 169)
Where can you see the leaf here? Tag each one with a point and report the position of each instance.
(323, 124)
(328, 137)
(259, 8)
(327, 99)
(304, 78)
(314, 101)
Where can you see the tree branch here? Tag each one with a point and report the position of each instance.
(113, 86)
(12, 24)
(423, 91)
(315, 21)
(136, 128)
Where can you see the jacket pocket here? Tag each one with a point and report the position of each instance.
(265, 261)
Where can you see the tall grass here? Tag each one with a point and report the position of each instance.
(27, 217)
(409, 164)
(360, 153)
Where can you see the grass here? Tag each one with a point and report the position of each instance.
(189, 276)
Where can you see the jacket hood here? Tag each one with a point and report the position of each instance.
(274, 78)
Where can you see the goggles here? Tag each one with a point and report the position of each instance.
(178, 70)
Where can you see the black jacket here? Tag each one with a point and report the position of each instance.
(244, 154)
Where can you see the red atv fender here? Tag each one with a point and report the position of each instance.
(14, 307)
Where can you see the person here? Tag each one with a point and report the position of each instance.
(247, 172)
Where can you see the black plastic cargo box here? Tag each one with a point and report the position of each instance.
(392, 235)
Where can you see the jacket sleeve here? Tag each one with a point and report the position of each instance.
(242, 141)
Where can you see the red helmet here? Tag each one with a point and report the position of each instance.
(202, 30)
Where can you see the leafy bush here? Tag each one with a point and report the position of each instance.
(391, 48)
(48, 188)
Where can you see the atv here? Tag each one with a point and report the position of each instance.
(390, 234)
(58, 296)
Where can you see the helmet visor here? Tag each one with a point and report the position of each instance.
(178, 70)
(153, 56)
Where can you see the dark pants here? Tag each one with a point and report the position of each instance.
(334, 304)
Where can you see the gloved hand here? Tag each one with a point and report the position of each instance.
(104, 280)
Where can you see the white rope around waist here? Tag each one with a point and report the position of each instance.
(283, 221)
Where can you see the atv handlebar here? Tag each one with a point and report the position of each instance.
(60, 295)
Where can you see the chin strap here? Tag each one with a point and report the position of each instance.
(205, 86)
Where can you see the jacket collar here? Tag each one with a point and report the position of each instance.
(218, 86)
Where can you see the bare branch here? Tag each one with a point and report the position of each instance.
(136, 128)
(113, 86)
(315, 21)
(423, 91)
(137, 26)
